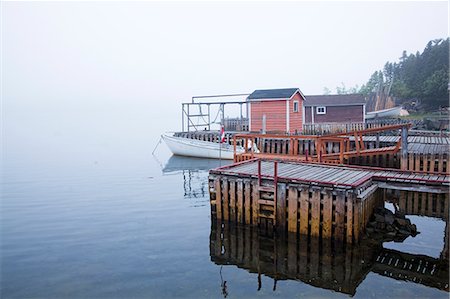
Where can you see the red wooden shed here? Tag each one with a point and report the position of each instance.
(280, 109)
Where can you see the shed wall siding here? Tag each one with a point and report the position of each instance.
(336, 114)
(296, 118)
(275, 112)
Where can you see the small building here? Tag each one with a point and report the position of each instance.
(276, 110)
(345, 108)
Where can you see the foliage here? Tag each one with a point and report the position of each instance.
(420, 77)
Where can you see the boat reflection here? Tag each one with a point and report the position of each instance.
(195, 173)
(321, 263)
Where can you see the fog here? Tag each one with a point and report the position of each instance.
(94, 73)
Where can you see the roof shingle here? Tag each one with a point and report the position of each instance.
(283, 93)
(334, 100)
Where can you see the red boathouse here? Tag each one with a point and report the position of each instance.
(280, 110)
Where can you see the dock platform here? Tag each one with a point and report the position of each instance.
(317, 200)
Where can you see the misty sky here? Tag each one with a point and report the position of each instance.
(109, 65)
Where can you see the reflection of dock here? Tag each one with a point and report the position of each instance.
(194, 171)
(416, 268)
(321, 263)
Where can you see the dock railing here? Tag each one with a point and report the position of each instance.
(336, 148)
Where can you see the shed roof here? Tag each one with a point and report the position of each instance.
(335, 100)
(282, 93)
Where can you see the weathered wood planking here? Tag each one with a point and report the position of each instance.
(311, 200)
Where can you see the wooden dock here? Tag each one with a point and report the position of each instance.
(308, 199)
(426, 151)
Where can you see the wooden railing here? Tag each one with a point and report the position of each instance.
(335, 148)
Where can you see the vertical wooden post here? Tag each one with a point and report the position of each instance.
(349, 200)
(218, 198)
(226, 205)
(275, 193)
(247, 202)
(315, 213)
(356, 142)
(259, 172)
(293, 211)
(304, 211)
(255, 204)
(232, 191)
(327, 214)
(281, 207)
(182, 117)
(340, 217)
(234, 148)
(240, 201)
(404, 146)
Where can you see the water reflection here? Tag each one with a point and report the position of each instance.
(320, 263)
(195, 173)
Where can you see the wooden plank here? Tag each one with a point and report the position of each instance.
(225, 199)
(356, 219)
(314, 257)
(425, 162)
(281, 207)
(432, 162)
(417, 157)
(349, 228)
(247, 202)
(255, 204)
(327, 214)
(218, 197)
(292, 209)
(240, 201)
(441, 163)
(327, 253)
(411, 161)
(304, 211)
(339, 216)
(232, 202)
(315, 213)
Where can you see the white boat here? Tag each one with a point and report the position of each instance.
(203, 149)
(390, 112)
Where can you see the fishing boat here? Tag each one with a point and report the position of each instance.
(202, 149)
(390, 112)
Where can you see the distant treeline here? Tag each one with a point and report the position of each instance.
(421, 77)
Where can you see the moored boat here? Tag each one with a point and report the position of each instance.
(390, 112)
(198, 148)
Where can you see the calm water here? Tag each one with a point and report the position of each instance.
(111, 221)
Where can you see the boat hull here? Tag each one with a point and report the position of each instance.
(197, 148)
(391, 112)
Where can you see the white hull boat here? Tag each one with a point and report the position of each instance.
(198, 148)
(390, 112)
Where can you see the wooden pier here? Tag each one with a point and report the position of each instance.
(425, 151)
(315, 200)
